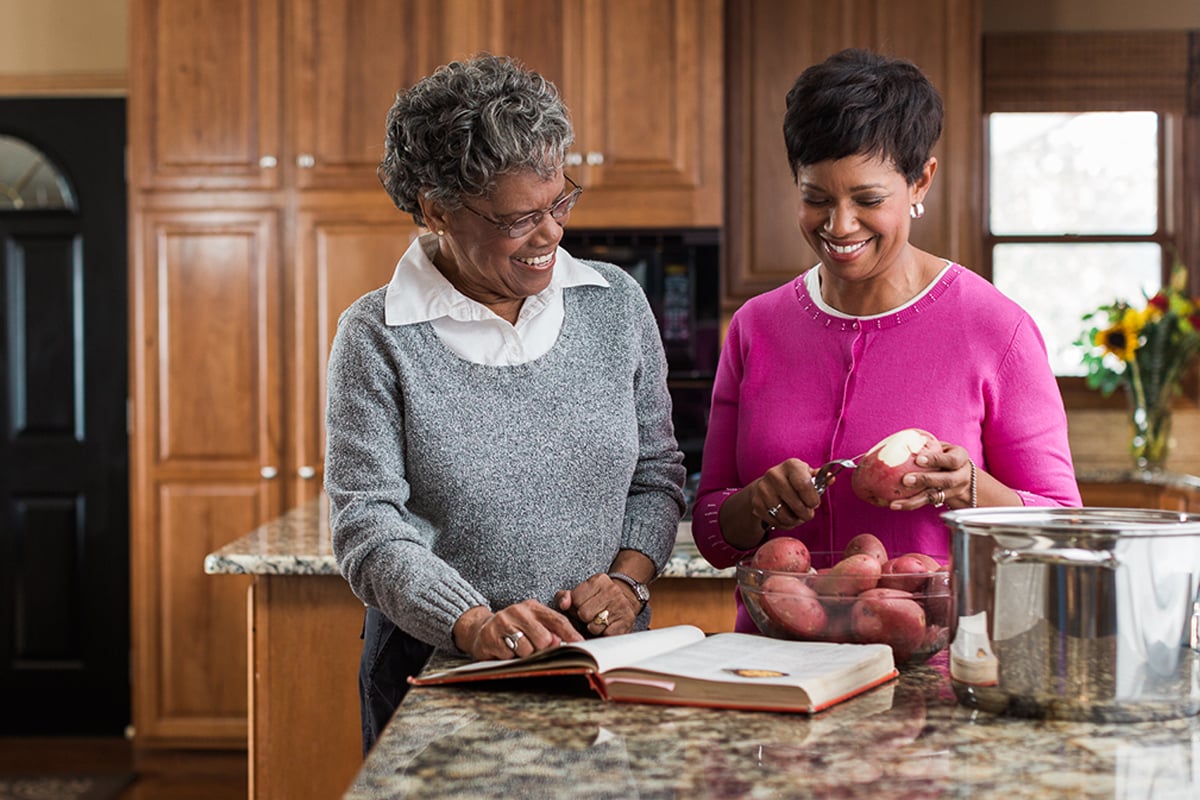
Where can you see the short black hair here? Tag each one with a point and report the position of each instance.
(858, 102)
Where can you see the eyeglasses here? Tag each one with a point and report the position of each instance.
(522, 226)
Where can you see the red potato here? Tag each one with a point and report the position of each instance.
(905, 572)
(848, 577)
(879, 477)
(867, 543)
(793, 605)
(837, 621)
(931, 563)
(892, 617)
(782, 554)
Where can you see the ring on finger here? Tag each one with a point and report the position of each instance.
(601, 619)
(774, 510)
(937, 498)
(513, 640)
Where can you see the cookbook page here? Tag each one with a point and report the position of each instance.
(823, 670)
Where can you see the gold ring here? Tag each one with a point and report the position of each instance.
(938, 499)
(601, 619)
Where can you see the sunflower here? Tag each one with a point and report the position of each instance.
(1121, 339)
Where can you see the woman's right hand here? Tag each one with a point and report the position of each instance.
(786, 488)
(532, 626)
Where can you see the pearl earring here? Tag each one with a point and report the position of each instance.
(916, 210)
(441, 232)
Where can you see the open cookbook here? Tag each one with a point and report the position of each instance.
(680, 665)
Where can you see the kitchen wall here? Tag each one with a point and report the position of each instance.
(63, 47)
(79, 47)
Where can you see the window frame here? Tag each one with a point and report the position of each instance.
(1144, 71)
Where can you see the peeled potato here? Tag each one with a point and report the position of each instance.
(880, 473)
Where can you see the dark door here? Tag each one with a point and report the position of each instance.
(64, 499)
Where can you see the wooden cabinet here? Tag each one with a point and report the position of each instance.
(343, 250)
(644, 81)
(1137, 494)
(770, 42)
(207, 431)
(205, 95)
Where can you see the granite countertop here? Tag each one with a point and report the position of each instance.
(910, 738)
(297, 543)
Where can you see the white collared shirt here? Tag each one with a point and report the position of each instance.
(418, 292)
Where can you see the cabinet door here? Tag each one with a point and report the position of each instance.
(644, 82)
(770, 42)
(342, 253)
(205, 448)
(346, 61)
(204, 94)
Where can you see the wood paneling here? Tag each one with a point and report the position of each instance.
(305, 639)
(205, 94)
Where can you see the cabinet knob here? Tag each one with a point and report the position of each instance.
(268, 162)
(306, 161)
(595, 159)
(268, 472)
(307, 472)
(574, 159)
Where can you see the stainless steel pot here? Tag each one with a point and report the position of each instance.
(1081, 614)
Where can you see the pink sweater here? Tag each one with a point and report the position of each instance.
(963, 362)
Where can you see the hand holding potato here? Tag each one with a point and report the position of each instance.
(912, 468)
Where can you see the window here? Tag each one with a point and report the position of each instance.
(29, 181)
(1076, 216)
(1092, 176)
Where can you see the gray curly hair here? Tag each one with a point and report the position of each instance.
(454, 132)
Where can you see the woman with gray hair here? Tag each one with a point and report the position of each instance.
(501, 466)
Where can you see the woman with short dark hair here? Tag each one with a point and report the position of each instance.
(878, 337)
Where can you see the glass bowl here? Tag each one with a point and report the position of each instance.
(908, 611)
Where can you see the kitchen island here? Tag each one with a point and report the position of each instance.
(304, 645)
(553, 738)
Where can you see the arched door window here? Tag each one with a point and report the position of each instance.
(30, 181)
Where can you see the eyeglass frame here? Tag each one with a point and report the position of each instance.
(534, 218)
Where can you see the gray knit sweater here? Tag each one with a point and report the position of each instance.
(454, 484)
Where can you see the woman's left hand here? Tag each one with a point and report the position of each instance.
(948, 484)
(606, 607)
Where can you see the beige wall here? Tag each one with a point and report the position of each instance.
(63, 47)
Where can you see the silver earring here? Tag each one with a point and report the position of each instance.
(916, 210)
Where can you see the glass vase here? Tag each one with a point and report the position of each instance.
(1150, 443)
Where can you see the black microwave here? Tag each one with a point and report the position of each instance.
(678, 270)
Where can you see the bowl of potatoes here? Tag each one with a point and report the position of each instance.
(860, 595)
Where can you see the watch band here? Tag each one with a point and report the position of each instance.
(640, 591)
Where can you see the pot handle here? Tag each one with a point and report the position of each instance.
(1061, 556)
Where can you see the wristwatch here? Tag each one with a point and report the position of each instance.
(639, 589)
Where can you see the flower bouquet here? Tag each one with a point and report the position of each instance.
(1147, 351)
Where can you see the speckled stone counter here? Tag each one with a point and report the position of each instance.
(297, 543)
(910, 738)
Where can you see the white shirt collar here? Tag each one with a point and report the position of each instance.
(418, 292)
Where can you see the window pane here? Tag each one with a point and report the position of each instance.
(29, 181)
(1073, 173)
(1059, 283)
